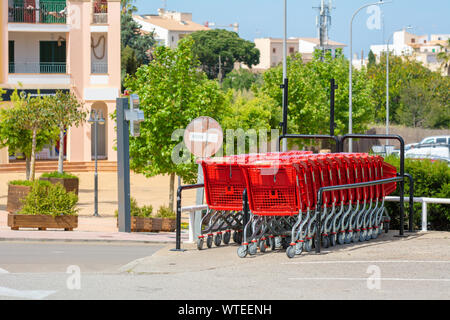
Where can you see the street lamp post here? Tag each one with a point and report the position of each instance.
(96, 118)
(350, 100)
(285, 82)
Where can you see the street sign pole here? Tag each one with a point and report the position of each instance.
(123, 166)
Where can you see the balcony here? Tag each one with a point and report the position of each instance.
(100, 12)
(48, 12)
(38, 67)
(99, 68)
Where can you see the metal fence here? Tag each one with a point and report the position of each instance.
(37, 67)
(47, 12)
(99, 68)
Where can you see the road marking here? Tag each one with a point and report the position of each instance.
(27, 294)
(361, 261)
(365, 279)
(3, 271)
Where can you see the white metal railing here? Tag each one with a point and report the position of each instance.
(99, 68)
(424, 202)
(37, 67)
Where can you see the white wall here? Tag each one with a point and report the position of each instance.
(99, 50)
(26, 45)
(160, 33)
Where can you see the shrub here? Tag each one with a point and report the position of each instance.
(56, 174)
(165, 212)
(431, 180)
(136, 211)
(49, 199)
(27, 183)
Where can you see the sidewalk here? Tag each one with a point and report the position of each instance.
(90, 229)
(147, 191)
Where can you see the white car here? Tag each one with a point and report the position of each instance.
(429, 152)
(436, 140)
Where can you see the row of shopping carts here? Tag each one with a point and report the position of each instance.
(282, 189)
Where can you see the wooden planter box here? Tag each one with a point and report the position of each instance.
(42, 222)
(168, 225)
(15, 194)
(70, 184)
(139, 224)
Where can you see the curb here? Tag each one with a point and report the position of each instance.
(87, 240)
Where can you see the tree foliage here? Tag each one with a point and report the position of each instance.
(309, 94)
(241, 80)
(66, 111)
(414, 91)
(173, 92)
(214, 45)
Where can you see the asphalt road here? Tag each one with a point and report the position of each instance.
(415, 267)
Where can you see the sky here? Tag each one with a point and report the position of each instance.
(264, 18)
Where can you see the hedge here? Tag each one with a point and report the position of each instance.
(431, 180)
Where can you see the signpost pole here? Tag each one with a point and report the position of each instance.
(123, 166)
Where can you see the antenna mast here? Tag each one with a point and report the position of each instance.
(323, 22)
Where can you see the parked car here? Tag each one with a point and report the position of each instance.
(436, 140)
(431, 151)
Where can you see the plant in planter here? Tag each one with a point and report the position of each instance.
(168, 218)
(46, 206)
(142, 219)
(20, 133)
(68, 181)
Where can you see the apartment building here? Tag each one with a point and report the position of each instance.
(271, 50)
(422, 48)
(71, 45)
(168, 26)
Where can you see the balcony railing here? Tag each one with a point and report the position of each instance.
(100, 12)
(99, 68)
(37, 67)
(47, 12)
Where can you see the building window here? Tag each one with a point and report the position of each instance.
(291, 50)
(274, 50)
(52, 57)
(413, 40)
(11, 56)
(173, 39)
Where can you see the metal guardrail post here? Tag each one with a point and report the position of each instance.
(411, 202)
(178, 230)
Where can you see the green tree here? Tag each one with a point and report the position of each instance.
(241, 80)
(127, 6)
(372, 59)
(66, 111)
(219, 49)
(16, 132)
(309, 96)
(173, 92)
(135, 45)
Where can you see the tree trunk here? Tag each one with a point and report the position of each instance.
(28, 166)
(171, 191)
(33, 155)
(61, 151)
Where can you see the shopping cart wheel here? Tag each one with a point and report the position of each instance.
(218, 239)
(368, 236)
(362, 236)
(348, 237)
(356, 236)
(333, 240)
(242, 251)
(298, 248)
(341, 237)
(262, 246)
(325, 242)
(386, 227)
(200, 243)
(374, 233)
(226, 237)
(209, 241)
(308, 245)
(290, 252)
(272, 244)
(235, 237)
(277, 242)
(252, 248)
(285, 243)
